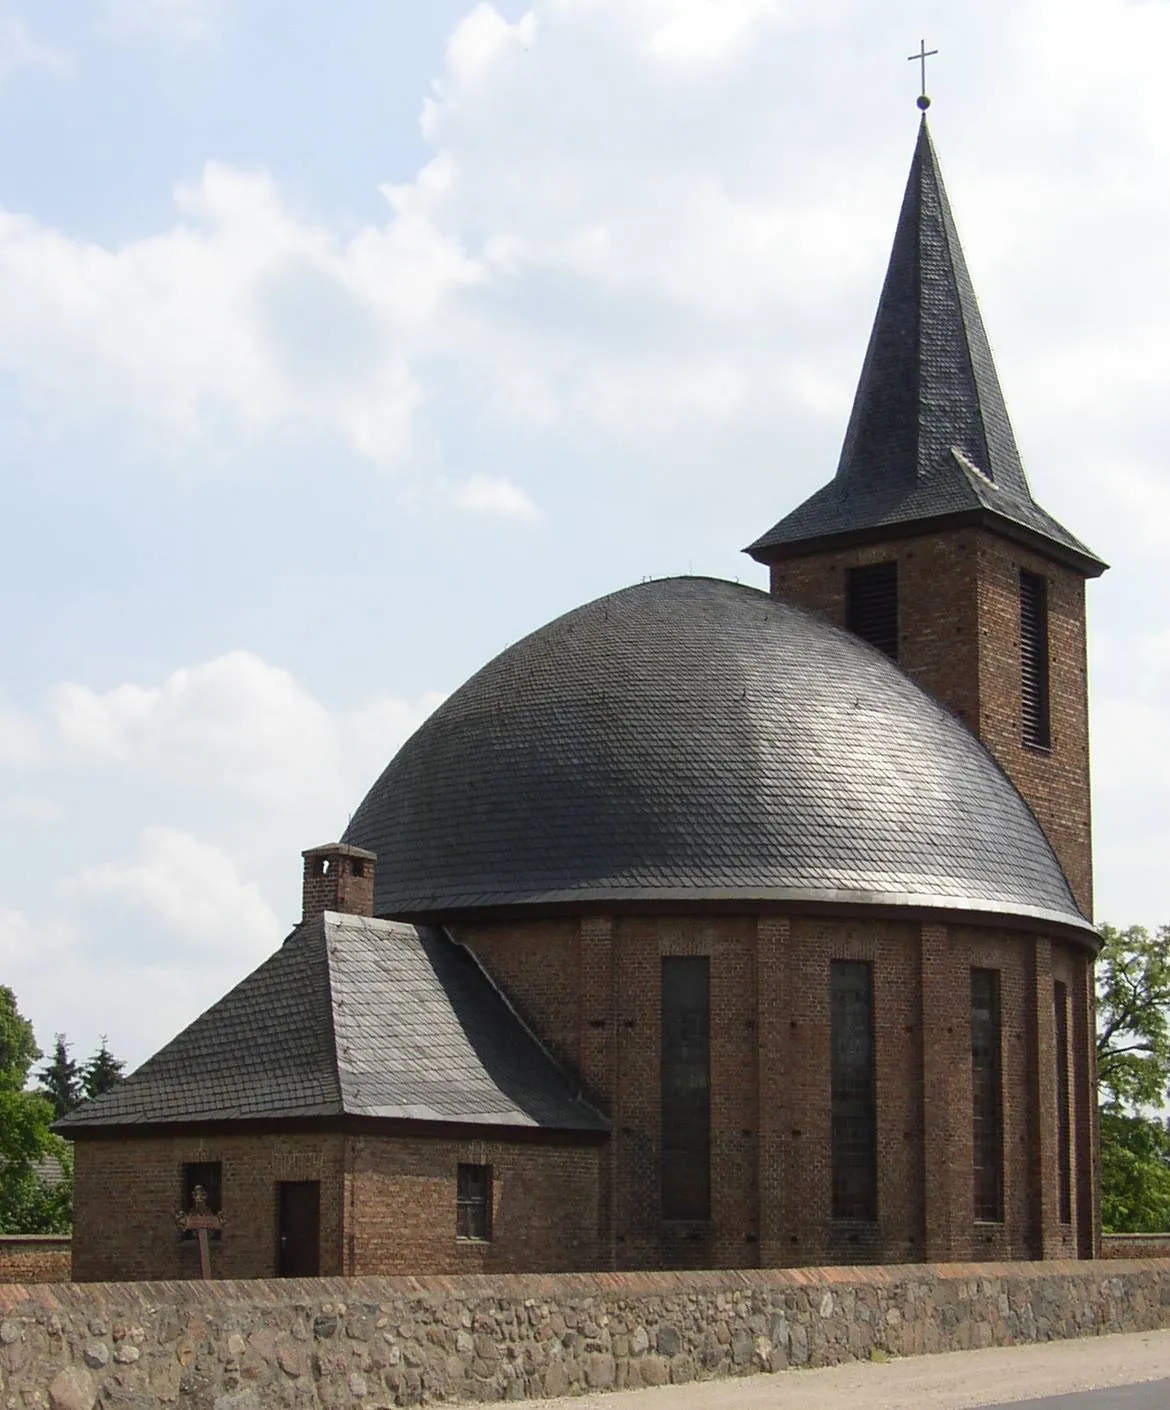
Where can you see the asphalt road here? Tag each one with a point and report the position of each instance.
(1128, 1372)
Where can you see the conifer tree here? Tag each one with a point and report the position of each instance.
(60, 1079)
(102, 1072)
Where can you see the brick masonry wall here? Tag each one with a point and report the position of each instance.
(1135, 1245)
(127, 1192)
(770, 1097)
(34, 1258)
(959, 637)
(401, 1208)
(382, 1342)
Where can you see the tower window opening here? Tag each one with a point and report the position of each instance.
(871, 605)
(854, 1108)
(1035, 720)
(473, 1202)
(986, 1095)
(686, 1087)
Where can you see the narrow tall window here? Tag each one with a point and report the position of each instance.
(871, 605)
(686, 1087)
(473, 1202)
(854, 1106)
(1063, 1121)
(1035, 723)
(986, 1095)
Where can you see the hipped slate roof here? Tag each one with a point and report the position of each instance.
(929, 436)
(690, 739)
(351, 1017)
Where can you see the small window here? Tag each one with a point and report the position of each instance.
(473, 1203)
(205, 1175)
(1035, 723)
(357, 866)
(871, 605)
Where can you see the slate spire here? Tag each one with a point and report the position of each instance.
(928, 440)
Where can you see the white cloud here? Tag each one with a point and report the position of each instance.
(238, 725)
(192, 887)
(495, 499)
(19, 50)
(247, 767)
(167, 19)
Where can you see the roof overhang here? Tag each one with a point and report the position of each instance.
(1085, 563)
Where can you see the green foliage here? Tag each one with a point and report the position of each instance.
(1135, 1174)
(1133, 1032)
(30, 1203)
(102, 1072)
(61, 1079)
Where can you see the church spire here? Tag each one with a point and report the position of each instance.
(929, 444)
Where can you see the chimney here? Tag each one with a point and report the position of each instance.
(338, 878)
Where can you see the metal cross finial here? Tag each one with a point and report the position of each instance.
(923, 54)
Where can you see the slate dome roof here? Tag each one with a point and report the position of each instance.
(696, 740)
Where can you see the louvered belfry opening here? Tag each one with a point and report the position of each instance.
(1035, 722)
(871, 605)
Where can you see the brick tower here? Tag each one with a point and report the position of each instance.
(929, 544)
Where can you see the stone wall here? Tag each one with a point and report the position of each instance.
(34, 1258)
(383, 1342)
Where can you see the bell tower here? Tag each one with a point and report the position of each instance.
(928, 543)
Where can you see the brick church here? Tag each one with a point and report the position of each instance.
(704, 927)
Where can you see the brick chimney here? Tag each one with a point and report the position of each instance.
(338, 878)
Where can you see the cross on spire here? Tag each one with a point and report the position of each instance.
(923, 54)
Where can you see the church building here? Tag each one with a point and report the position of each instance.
(707, 926)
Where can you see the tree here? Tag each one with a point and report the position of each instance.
(30, 1201)
(1133, 1033)
(1133, 1072)
(1135, 1174)
(61, 1079)
(102, 1072)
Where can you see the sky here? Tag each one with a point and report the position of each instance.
(343, 345)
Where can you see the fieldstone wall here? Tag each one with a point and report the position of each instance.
(381, 1342)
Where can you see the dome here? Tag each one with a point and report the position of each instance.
(696, 740)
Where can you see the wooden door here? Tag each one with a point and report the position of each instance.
(299, 1228)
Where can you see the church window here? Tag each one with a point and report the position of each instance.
(686, 1087)
(1063, 1122)
(206, 1175)
(854, 1108)
(1034, 703)
(986, 1095)
(473, 1203)
(871, 605)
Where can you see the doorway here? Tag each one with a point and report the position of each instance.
(298, 1229)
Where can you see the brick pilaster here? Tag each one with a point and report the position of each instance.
(946, 1093)
(598, 1045)
(1045, 1201)
(772, 938)
(1086, 1174)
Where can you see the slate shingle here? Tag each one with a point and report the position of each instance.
(687, 739)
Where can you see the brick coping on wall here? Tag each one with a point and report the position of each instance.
(518, 1287)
